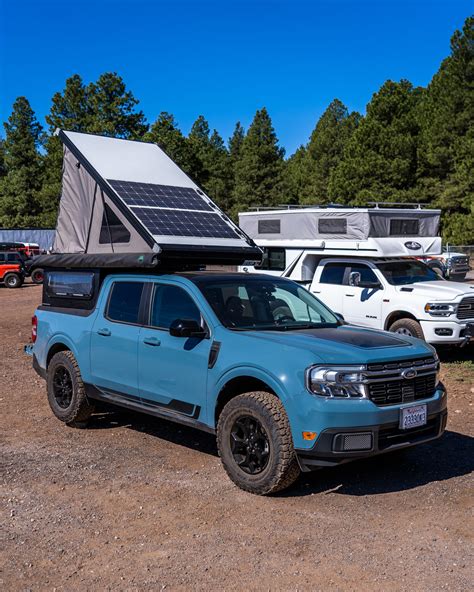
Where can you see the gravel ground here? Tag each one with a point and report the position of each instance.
(134, 503)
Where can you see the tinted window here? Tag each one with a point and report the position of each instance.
(332, 226)
(124, 302)
(273, 259)
(2, 257)
(269, 226)
(171, 303)
(366, 274)
(399, 273)
(403, 227)
(70, 284)
(333, 273)
(14, 257)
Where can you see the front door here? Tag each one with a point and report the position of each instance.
(173, 370)
(362, 306)
(114, 341)
(329, 285)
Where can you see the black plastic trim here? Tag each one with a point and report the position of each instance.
(37, 368)
(214, 354)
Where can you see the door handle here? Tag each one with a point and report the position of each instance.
(316, 291)
(152, 341)
(351, 295)
(104, 332)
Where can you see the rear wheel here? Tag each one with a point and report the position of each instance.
(255, 443)
(66, 391)
(407, 327)
(13, 280)
(37, 276)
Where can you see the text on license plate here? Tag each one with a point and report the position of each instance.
(412, 417)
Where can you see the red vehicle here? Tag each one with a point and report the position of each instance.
(11, 275)
(27, 249)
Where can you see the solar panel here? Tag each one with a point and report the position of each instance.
(165, 196)
(167, 222)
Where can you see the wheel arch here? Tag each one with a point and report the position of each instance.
(58, 345)
(243, 383)
(397, 315)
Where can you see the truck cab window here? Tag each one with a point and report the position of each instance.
(274, 259)
(333, 273)
(171, 303)
(366, 273)
(124, 302)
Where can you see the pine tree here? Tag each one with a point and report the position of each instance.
(19, 204)
(446, 148)
(259, 170)
(325, 149)
(235, 142)
(297, 176)
(214, 174)
(166, 133)
(3, 167)
(380, 159)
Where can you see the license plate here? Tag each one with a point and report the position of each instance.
(412, 417)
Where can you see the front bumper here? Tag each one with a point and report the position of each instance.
(384, 437)
(439, 331)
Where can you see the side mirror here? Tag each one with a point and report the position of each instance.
(354, 278)
(187, 328)
(340, 318)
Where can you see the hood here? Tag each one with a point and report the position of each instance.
(439, 290)
(346, 344)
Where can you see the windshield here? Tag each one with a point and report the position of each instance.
(264, 304)
(400, 273)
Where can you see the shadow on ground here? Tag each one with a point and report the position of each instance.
(456, 354)
(450, 456)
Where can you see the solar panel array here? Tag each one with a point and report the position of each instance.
(166, 210)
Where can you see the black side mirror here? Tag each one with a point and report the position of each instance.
(187, 328)
(340, 318)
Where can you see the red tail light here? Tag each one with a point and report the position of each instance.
(34, 328)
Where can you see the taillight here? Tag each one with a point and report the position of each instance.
(34, 328)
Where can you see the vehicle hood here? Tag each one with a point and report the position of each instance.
(439, 290)
(346, 344)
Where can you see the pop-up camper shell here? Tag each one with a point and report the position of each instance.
(127, 204)
(377, 231)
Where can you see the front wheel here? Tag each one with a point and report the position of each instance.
(408, 327)
(66, 391)
(255, 443)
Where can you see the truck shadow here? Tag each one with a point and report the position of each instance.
(450, 456)
(456, 354)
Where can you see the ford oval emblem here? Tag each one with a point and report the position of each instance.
(413, 245)
(409, 373)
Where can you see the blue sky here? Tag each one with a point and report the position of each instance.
(225, 59)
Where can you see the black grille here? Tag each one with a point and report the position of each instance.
(404, 364)
(466, 308)
(404, 390)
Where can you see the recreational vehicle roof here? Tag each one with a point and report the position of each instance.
(377, 231)
(126, 197)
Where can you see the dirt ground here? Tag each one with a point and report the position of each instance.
(134, 503)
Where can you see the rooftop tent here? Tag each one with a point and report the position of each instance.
(125, 197)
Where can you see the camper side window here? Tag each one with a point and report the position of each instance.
(332, 226)
(404, 227)
(112, 229)
(67, 284)
(273, 260)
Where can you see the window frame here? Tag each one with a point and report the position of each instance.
(149, 308)
(344, 264)
(266, 257)
(141, 306)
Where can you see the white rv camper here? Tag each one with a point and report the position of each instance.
(361, 263)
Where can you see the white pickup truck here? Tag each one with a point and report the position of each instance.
(401, 295)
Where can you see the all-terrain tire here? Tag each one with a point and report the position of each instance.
(13, 280)
(407, 327)
(281, 469)
(68, 402)
(37, 276)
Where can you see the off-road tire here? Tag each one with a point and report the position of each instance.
(78, 411)
(407, 327)
(13, 280)
(37, 276)
(282, 467)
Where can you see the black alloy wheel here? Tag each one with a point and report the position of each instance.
(249, 445)
(62, 387)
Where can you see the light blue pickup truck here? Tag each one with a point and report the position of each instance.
(284, 383)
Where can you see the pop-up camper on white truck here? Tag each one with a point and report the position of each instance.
(361, 262)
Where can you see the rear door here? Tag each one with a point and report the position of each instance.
(173, 371)
(114, 340)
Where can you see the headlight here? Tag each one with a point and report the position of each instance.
(337, 381)
(440, 309)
